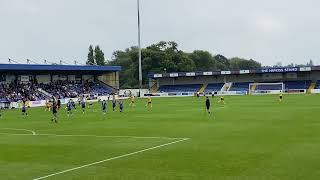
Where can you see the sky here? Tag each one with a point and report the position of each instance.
(269, 31)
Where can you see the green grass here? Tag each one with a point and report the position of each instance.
(249, 138)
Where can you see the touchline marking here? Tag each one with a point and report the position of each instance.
(136, 137)
(84, 135)
(113, 158)
(27, 130)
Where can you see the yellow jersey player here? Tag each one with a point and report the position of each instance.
(132, 101)
(48, 106)
(222, 100)
(149, 102)
(280, 97)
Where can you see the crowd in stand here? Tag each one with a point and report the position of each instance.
(61, 89)
(67, 89)
(18, 91)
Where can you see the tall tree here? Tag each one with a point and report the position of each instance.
(222, 62)
(243, 64)
(203, 60)
(90, 60)
(167, 57)
(99, 56)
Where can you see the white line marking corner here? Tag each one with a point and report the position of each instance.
(27, 130)
(110, 159)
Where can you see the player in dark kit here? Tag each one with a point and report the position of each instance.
(55, 112)
(59, 104)
(208, 105)
(121, 105)
(24, 109)
(104, 106)
(0, 112)
(213, 94)
(69, 107)
(73, 104)
(83, 104)
(114, 104)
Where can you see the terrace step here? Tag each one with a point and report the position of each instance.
(203, 88)
(312, 86)
(44, 92)
(226, 87)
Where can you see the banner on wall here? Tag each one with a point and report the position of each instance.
(24, 78)
(279, 70)
(191, 74)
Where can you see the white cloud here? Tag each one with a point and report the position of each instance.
(268, 23)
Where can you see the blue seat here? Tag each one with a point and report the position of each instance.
(318, 85)
(297, 84)
(180, 88)
(214, 87)
(262, 87)
(240, 86)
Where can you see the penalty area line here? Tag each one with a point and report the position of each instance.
(110, 159)
(27, 130)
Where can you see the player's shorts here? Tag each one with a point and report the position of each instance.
(280, 97)
(23, 110)
(149, 102)
(208, 107)
(104, 108)
(83, 106)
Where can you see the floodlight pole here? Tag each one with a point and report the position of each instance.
(139, 47)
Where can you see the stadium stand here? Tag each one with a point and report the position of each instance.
(297, 84)
(180, 88)
(244, 86)
(214, 87)
(289, 79)
(39, 82)
(262, 87)
(60, 89)
(239, 86)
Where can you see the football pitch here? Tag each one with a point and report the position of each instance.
(248, 138)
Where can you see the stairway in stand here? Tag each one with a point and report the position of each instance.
(203, 88)
(312, 86)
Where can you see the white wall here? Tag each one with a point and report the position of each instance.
(10, 78)
(72, 77)
(43, 78)
(87, 77)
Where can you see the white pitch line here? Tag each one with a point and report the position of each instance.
(27, 130)
(110, 159)
(97, 136)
